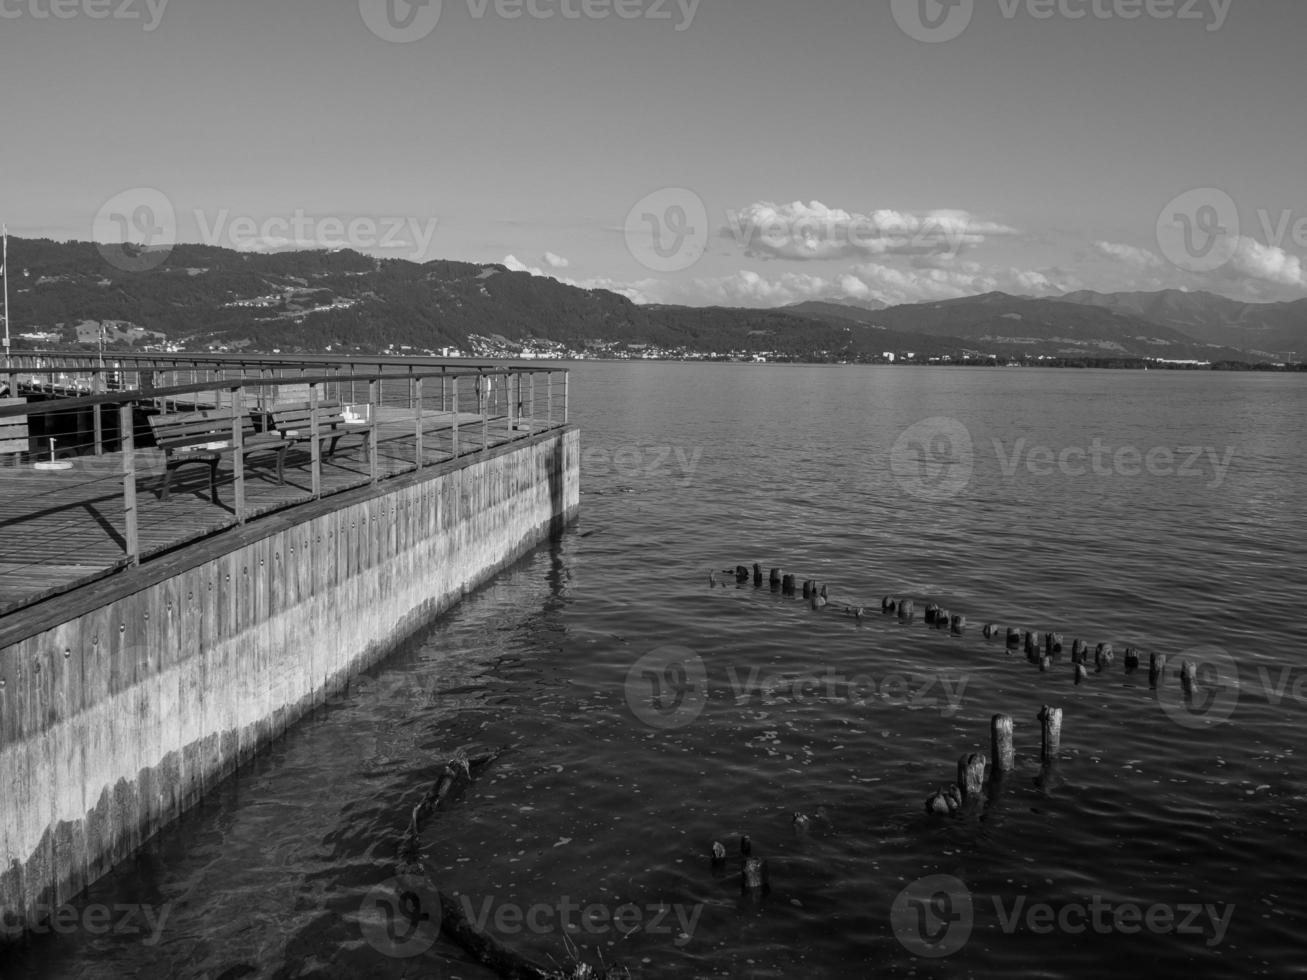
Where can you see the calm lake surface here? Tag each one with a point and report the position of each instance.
(1161, 510)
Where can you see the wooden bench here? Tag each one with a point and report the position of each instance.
(205, 437)
(294, 424)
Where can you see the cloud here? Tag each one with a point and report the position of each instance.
(868, 281)
(814, 231)
(1267, 263)
(555, 261)
(1140, 258)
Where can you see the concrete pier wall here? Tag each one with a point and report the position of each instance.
(125, 701)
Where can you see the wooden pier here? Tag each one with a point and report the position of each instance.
(148, 647)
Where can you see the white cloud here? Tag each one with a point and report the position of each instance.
(555, 261)
(1268, 263)
(1141, 258)
(814, 231)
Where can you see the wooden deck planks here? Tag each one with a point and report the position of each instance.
(59, 530)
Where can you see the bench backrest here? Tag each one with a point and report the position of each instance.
(298, 417)
(182, 429)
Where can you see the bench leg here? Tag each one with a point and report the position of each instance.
(281, 465)
(213, 480)
(167, 480)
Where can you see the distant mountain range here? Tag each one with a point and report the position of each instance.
(203, 297)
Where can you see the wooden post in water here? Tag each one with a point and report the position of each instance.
(971, 776)
(775, 580)
(127, 434)
(1052, 643)
(958, 624)
(1000, 745)
(1131, 660)
(787, 585)
(1156, 668)
(932, 613)
(889, 605)
(1189, 678)
(1103, 657)
(1080, 672)
(1051, 733)
(1013, 637)
(741, 573)
(1079, 650)
(906, 611)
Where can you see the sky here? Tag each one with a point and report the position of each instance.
(741, 152)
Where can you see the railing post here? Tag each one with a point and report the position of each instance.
(567, 389)
(485, 414)
(454, 445)
(97, 388)
(374, 405)
(315, 447)
(238, 448)
(549, 400)
(512, 405)
(531, 407)
(131, 542)
(417, 412)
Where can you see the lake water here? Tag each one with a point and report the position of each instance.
(646, 712)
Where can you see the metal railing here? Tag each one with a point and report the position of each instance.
(93, 447)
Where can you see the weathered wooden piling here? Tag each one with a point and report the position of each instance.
(741, 573)
(1050, 720)
(807, 588)
(1045, 664)
(1189, 678)
(1079, 650)
(1156, 668)
(718, 854)
(1131, 660)
(1081, 673)
(787, 585)
(1031, 641)
(1013, 636)
(889, 604)
(1052, 644)
(906, 611)
(1103, 657)
(776, 574)
(992, 630)
(971, 776)
(932, 612)
(757, 574)
(1000, 745)
(958, 624)
(942, 618)
(754, 878)
(816, 599)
